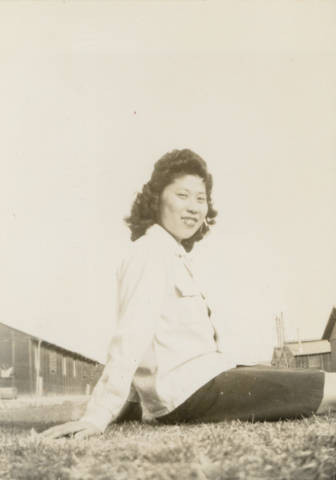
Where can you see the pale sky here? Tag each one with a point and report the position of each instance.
(93, 93)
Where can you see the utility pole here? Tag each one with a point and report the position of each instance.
(299, 341)
(280, 329)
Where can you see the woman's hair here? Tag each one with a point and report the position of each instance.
(146, 207)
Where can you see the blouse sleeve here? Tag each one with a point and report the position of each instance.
(141, 289)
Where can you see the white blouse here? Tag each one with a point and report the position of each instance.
(164, 344)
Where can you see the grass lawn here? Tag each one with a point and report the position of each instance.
(300, 450)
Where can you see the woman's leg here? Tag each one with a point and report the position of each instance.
(328, 402)
(254, 393)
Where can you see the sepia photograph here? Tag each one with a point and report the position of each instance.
(168, 240)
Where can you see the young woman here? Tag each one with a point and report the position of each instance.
(164, 352)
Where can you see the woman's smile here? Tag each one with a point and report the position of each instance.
(189, 221)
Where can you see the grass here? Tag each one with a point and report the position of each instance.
(300, 449)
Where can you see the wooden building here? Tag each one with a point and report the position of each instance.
(33, 366)
(305, 354)
(320, 353)
(329, 335)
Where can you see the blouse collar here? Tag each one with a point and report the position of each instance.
(166, 239)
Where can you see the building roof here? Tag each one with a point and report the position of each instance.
(36, 337)
(309, 347)
(330, 325)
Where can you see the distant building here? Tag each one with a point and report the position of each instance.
(319, 353)
(305, 354)
(329, 334)
(33, 366)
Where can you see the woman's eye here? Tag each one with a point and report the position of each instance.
(201, 199)
(182, 195)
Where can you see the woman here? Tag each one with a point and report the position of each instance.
(164, 352)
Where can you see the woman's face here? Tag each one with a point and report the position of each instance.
(183, 206)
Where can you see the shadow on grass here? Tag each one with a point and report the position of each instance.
(20, 427)
(39, 417)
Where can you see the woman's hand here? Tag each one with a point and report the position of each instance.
(78, 430)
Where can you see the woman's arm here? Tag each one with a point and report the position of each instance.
(141, 290)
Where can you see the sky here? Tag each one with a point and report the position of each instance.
(93, 93)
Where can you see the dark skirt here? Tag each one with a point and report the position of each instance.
(253, 394)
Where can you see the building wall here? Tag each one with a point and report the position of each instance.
(5, 346)
(332, 341)
(320, 361)
(42, 368)
(14, 352)
(22, 364)
(66, 373)
(283, 358)
(6, 355)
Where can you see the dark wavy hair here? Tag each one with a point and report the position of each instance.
(146, 206)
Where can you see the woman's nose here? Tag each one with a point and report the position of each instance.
(193, 207)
